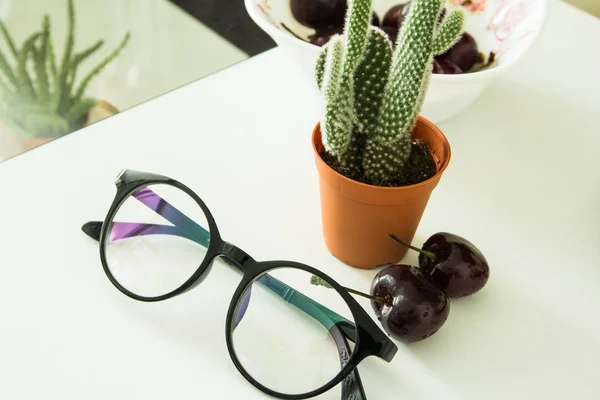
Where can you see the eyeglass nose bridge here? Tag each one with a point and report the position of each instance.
(235, 256)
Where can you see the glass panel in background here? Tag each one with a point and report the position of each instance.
(167, 48)
(590, 6)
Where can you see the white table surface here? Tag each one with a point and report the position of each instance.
(523, 185)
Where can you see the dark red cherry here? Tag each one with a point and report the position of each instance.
(444, 66)
(437, 68)
(319, 14)
(396, 15)
(375, 19)
(416, 308)
(322, 36)
(464, 53)
(452, 263)
(458, 267)
(392, 34)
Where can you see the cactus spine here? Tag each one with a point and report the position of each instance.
(374, 94)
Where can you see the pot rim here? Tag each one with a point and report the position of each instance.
(428, 124)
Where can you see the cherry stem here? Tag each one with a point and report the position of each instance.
(379, 299)
(317, 281)
(424, 252)
(292, 32)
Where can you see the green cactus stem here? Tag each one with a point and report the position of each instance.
(373, 94)
(418, 40)
(342, 55)
(371, 80)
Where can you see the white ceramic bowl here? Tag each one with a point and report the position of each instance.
(506, 27)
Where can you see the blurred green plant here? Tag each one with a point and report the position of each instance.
(39, 97)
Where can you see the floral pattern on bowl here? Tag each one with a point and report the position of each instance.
(265, 7)
(472, 6)
(511, 23)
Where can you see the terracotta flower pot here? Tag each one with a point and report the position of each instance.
(357, 218)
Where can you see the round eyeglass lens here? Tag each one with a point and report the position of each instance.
(292, 333)
(157, 239)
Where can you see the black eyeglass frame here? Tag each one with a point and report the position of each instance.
(369, 339)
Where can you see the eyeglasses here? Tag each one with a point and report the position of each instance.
(289, 337)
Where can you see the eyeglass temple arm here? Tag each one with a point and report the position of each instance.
(352, 387)
(186, 227)
(339, 327)
(327, 317)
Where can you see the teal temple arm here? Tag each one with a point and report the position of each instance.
(185, 227)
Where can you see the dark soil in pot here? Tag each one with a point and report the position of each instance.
(421, 166)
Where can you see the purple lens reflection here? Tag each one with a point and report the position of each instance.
(183, 225)
(242, 308)
(123, 230)
(173, 215)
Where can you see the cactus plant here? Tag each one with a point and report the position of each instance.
(38, 96)
(374, 94)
